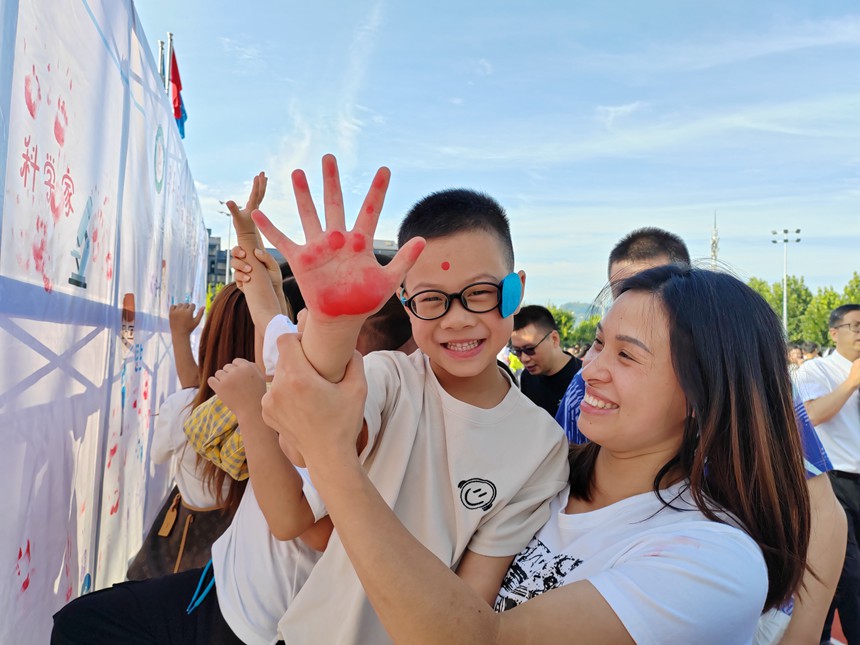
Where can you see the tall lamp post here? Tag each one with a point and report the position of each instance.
(784, 234)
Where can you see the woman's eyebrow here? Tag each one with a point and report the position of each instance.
(635, 341)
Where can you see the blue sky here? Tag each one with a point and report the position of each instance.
(585, 120)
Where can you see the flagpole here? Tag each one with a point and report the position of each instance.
(161, 63)
(169, 65)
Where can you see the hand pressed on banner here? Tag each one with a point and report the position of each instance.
(335, 268)
(182, 318)
(241, 386)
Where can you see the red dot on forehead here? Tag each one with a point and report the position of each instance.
(446, 266)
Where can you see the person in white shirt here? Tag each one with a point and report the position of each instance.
(686, 515)
(829, 388)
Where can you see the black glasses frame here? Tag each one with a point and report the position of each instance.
(529, 351)
(450, 297)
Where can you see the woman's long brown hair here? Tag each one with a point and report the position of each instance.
(227, 334)
(741, 449)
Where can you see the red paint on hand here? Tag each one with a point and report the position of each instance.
(329, 166)
(364, 295)
(336, 240)
(358, 242)
(300, 182)
(446, 266)
(379, 181)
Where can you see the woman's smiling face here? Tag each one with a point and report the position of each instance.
(633, 401)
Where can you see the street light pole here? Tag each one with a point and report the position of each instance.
(785, 242)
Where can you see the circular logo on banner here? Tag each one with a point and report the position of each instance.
(477, 493)
(159, 159)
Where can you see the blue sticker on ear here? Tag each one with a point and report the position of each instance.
(511, 293)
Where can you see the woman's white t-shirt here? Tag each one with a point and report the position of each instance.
(671, 576)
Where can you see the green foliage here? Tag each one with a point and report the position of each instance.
(807, 313)
(211, 292)
(799, 298)
(851, 294)
(571, 331)
(813, 323)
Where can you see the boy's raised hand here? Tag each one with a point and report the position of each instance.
(335, 268)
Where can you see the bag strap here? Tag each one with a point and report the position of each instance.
(188, 521)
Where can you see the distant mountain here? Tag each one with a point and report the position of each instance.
(578, 309)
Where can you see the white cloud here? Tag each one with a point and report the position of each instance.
(483, 67)
(608, 114)
(715, 52)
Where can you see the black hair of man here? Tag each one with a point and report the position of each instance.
(540, 317)
(838, 314)
(648, 244)
(809, 347)
(457, 210)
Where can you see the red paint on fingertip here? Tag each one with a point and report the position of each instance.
(300, 182)
(329, 167)
(446, 266)
(381, 180)
(336, 240)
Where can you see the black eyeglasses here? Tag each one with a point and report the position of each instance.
(529, 351)
(852, 326)
(479, 298)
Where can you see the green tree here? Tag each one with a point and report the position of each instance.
(813, 323)
(851, 294)
(585, 330)
(565, 321)
(799, 298)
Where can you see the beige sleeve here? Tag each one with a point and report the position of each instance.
(509, 530)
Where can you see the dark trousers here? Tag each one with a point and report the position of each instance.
(847, 598)
(144, 611)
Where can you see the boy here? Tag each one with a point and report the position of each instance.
(464, 459)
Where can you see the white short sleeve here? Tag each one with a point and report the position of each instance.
(683, 587)
(278, 325)
(811, 382)
(310, 492)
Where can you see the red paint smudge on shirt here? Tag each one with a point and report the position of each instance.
(115, 507)
(358, 242)
(111, 454)
(446, 266)
(336, 240)
(365, 295)
(26, 584)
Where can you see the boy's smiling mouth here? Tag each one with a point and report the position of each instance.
(462, 346)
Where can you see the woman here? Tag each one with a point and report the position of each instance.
(686, 516)
(228, 333)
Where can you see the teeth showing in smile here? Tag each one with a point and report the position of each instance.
(462, 347)
(597, 403)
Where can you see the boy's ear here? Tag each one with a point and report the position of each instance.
(522, 276)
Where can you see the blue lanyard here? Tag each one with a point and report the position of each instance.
(198, 597)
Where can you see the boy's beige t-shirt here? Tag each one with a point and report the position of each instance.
(457, 476)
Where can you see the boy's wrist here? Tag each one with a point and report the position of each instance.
(341, 325)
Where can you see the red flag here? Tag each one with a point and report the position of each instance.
(175, 86)
(175, 91)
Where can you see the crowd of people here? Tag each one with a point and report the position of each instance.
(403, 485)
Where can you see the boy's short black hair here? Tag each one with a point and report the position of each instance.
(457, 210)
(650, 243)
(540, 317)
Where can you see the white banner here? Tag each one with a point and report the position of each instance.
(101, 231)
